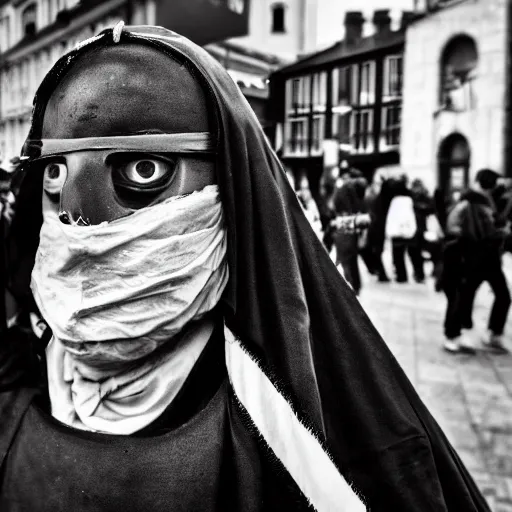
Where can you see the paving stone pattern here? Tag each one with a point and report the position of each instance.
(470, 396)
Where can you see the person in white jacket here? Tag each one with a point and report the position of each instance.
(401, 228)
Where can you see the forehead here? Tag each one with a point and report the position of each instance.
(125, 89)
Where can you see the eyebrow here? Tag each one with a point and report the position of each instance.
(194, 142)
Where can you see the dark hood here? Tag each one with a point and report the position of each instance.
(292, 310)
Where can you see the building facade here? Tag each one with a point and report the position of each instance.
(345, 100)
(290, 28)
(34, 34)
(455, 99)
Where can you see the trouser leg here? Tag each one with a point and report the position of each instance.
(468, 294)
(368, 256)
(379, 266)
(414, 251)
(351, 270)
(355, 273)
(498, 282)
(452, 319)
(398, 248)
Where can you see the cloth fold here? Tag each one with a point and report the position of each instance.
(128, 400)
(116, 291)
(123, 299)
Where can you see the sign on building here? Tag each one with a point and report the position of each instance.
(205, 21)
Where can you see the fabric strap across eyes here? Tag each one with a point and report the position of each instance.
(195, 142)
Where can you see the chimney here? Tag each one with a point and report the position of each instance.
(354, 21)
(407, 18)
(382, 21)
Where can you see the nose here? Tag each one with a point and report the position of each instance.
(88, 196)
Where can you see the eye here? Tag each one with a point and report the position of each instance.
(55, 175)
(146, 171)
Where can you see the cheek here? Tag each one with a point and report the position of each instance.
(50, 205)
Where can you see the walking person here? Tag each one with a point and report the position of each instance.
(423, 207)
(401, 228)
(503, 201)
(473, 255)
(347, 201)
(377, 200)
(310, 207)
(326, 205)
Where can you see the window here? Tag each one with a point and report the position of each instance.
(298, 94)
(342, 126)
(355, 85)
(28, 20)
(344, 82)
(15, 75)
(24, 78)
(362, 131)
(306, 93)
(49, 11)
(319, 85)
(393, 75)
(44, 64)
(296, 136)
(278, 25)
(458, 70)
(318, 134)
(342, 85)
(2, 141)
(5, 33)
(367, 86)
(390, 130)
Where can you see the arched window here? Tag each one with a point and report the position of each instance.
(278, 15)
(28, 20)
(454, 160)
(458, 65)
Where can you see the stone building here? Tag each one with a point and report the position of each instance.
(291, 28)
(347, 98)
(34, 34)
(251, 38)
(456, 92)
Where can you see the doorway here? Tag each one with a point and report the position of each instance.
(454, 159)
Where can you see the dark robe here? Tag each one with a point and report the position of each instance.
(293, 313)
(199, 455)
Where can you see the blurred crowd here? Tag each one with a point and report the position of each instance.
(387, 208)
(462, 234)
(8, 187)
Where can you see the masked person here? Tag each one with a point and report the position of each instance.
(203, 352)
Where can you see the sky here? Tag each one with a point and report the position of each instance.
(332, 14)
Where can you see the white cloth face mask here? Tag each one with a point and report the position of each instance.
(114, 292)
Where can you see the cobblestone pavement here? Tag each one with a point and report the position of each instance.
(470, 396)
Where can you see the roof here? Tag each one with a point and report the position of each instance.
(268, 58)
(342, 50)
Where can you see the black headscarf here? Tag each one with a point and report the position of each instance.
(292, 310)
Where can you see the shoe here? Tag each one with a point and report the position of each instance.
(494, 343)
(451, 346)
(459, 345)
